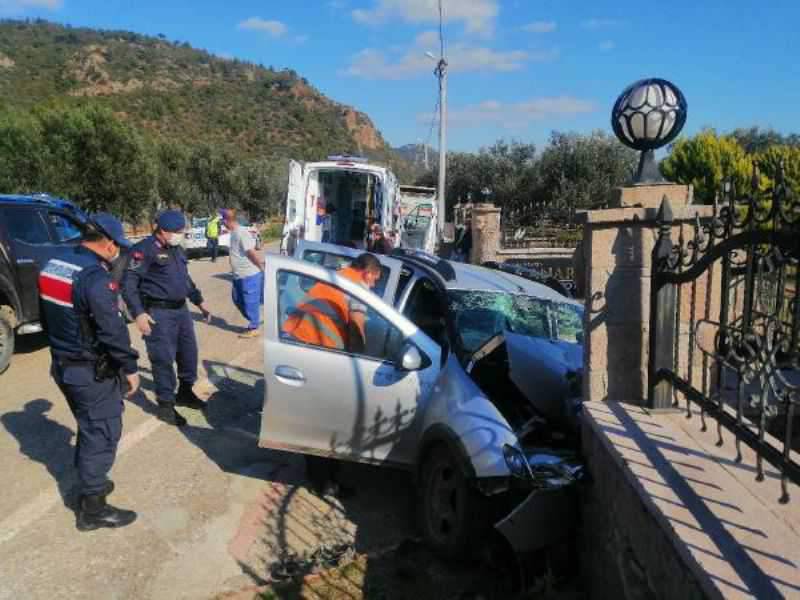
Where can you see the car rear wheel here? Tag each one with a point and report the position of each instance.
(6, 336)
(453, 516)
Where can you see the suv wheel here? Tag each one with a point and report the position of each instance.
(6, 336)
(453, 516)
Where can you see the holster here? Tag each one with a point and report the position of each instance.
(104, 368)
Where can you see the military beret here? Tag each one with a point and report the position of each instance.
(171, 220)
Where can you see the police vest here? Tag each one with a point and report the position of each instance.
(68, 328)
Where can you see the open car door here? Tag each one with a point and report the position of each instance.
(357, 403)
(336, 257)
(295, 208)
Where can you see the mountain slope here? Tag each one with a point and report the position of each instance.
(178, 92)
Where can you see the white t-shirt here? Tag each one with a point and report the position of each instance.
(241, 265)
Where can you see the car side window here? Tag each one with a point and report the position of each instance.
(319, 317)
(26, 225)
(339, 261)
(424, 309)
(66, 230)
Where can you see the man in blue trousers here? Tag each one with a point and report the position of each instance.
(248, 274)
(155, 287)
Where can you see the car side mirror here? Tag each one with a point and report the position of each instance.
(410, 358)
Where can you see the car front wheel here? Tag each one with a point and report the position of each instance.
(6, 337)
(453, 516)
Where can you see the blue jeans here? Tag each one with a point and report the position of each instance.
(248, 296)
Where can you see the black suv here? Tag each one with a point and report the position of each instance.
(33, 229)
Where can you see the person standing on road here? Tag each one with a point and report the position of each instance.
(212, 235)
(248, 274)
(92, 354)
(155, 287)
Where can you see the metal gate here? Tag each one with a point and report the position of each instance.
(725, 320)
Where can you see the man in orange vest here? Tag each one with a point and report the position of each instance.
(328, 317)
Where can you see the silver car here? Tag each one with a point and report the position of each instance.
(470, 378)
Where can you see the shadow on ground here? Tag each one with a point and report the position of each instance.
(363, 546)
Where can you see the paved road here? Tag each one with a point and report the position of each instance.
(215, 511)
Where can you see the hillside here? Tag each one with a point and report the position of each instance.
(178, 92)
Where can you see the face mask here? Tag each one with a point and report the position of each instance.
(174, 239)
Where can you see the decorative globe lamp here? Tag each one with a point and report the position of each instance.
(649, 114)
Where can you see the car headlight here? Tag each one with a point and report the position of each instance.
(516, 462)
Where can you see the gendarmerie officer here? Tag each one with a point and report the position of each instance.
(91, 352)
(155, 287)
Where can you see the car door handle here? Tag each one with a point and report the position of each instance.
(290, 375)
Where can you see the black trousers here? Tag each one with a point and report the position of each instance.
(97, 408)
(213, 246)
(321, 470)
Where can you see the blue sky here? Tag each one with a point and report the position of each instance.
(519, 68)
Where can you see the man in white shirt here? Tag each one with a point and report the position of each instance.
(248, 274)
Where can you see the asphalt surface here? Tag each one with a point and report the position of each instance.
(215, 511)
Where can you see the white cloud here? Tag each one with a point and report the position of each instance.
(540, 27)
(12, 7)
(607, 45)
(598, 23)
(376, 64)
(478, 16)
(515, 115)
(274, 29)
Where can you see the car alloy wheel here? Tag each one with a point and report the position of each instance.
(452, 515)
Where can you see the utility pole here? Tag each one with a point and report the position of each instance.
(427, 163)
(441, 73)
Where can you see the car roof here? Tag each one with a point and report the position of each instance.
(41, 200)
(463, 276)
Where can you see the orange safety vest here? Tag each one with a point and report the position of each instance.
(325, 315)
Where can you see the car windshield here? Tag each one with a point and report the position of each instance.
(480, 315)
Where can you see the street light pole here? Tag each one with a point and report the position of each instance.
(441, 72)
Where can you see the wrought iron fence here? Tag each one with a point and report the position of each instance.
(725, 320)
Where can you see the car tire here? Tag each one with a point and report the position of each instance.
(452, 515)
(7, 336)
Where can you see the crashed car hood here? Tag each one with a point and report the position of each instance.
(544, 371)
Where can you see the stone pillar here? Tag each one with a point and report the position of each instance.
(485, 233)
(617, 246)
(650, 196)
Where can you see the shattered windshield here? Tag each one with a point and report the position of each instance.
(480, 315)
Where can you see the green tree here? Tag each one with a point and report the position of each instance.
(21, 158)
(97, 160)
(770, 160)
(704, 161)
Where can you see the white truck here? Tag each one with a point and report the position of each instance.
(336, 200)
(418, 218)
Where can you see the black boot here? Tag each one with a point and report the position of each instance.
(186, 397)
(95, 513)
(166, 412)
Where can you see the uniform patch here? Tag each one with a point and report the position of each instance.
(137, 256)
(162, 258)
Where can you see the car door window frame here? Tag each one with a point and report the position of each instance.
(284, 339)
